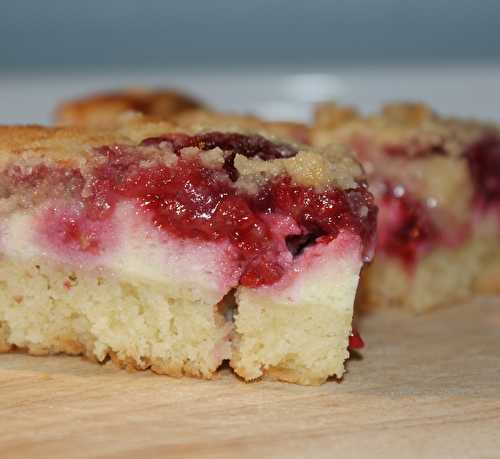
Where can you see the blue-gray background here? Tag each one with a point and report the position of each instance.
(151, 33)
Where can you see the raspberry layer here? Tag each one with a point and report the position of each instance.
(174, 191)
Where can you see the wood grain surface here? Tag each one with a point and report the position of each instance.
(425, 386)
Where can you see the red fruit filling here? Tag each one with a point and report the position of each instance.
(406, 228)
(484, 165)
(322, 214)
(188, 200)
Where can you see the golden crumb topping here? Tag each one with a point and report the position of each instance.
(307, 168)
(73, 147)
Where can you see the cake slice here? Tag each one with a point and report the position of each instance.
(112, 109)
(436, 181)
(176, 250)
(104, 109)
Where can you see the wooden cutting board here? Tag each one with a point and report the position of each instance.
(425, 386)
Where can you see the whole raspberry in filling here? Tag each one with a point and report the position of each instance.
(188, 200)
(484, 165)
(323, 213)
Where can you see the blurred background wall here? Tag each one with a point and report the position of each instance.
(275, 58)
(152, 33)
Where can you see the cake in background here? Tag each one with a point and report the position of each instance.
(436, 181)
(104, 109)
(109, 109)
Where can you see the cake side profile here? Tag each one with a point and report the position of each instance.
(436, 181)
(178, 249)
